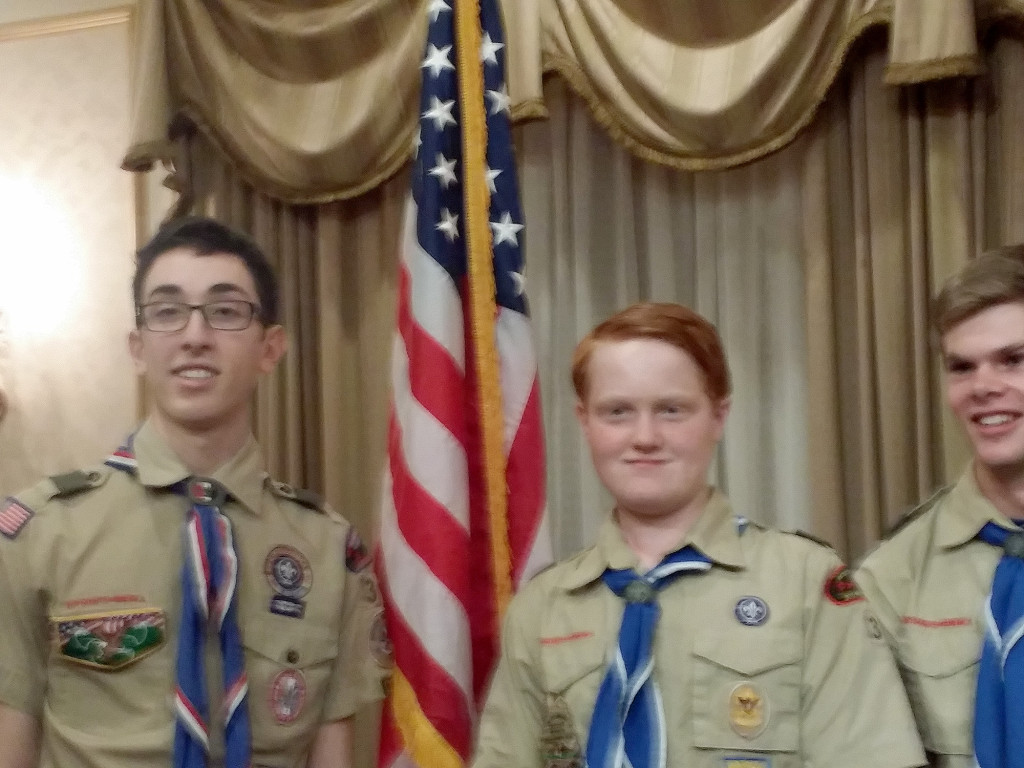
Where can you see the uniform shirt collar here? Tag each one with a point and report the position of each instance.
(966, 513)
(717, 534)
(158, 467)
(714, 533)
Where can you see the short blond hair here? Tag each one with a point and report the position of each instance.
(996, 277)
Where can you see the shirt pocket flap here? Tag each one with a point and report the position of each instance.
(297, 647)
(940, 651)
(747, 655)
(565, 661)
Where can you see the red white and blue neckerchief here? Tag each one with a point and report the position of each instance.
(627, 729)
(209, 578)
(999, 703)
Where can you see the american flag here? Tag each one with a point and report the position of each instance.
(463, 517)
(13, 516)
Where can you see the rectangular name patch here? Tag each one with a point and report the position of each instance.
(13, 517)
(746, 762)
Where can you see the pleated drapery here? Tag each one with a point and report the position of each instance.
(817, 262)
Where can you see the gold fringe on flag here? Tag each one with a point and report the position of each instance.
(477, 202)
(422, 741)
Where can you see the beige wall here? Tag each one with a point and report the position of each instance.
(25, 10)
(67, 234)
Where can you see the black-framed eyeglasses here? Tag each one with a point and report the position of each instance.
(224, 315)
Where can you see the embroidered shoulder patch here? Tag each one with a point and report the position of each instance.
(357, 557)
(13, 516)
(840, 588)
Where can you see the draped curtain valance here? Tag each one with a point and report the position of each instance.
(314, 100)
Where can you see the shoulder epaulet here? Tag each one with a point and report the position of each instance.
(743, 523)
(300, 496)
(917, 511)
(70, 483)
(811, 537)
(16, 511)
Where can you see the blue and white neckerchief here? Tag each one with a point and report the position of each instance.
(627, 728)
(999, 703)
(209, 580)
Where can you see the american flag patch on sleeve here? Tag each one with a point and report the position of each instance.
(13, 516)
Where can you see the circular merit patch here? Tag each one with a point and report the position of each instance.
(288, 572)
(840, 588)
(380, 643)
(751, 611)
(287, 695)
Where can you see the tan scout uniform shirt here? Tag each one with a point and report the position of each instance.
(91, 564)
(809, 686)
(928, 584)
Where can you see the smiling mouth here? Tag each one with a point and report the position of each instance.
(194, 373)
(995, 423)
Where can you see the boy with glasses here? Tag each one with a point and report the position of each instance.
(174, 605)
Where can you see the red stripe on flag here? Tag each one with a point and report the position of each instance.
(426, 525)
(526, 472)
(390, 746)
(440, 698)
(434, 378)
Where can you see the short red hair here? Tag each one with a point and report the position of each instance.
(671, 323)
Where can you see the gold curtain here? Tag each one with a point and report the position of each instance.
(318, 101)
(904, 187)
(888, 191)
(895, 189)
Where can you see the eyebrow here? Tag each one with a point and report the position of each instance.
(1009, 349)
(171, 290)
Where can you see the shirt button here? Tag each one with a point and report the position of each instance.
(292, 656)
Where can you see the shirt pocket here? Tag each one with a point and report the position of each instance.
(573, 670)
(289, 669)
(746, 691)
(940, 668)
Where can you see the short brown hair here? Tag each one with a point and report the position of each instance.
(672, 323)
(206, 237)
(995, 277)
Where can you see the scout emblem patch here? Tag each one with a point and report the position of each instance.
(748, 710)
(356, 556)
(13, 517)
(840, 587)
(559, 744)
(290, 577)
(109, 641)
(287, 695)
(751, 611)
